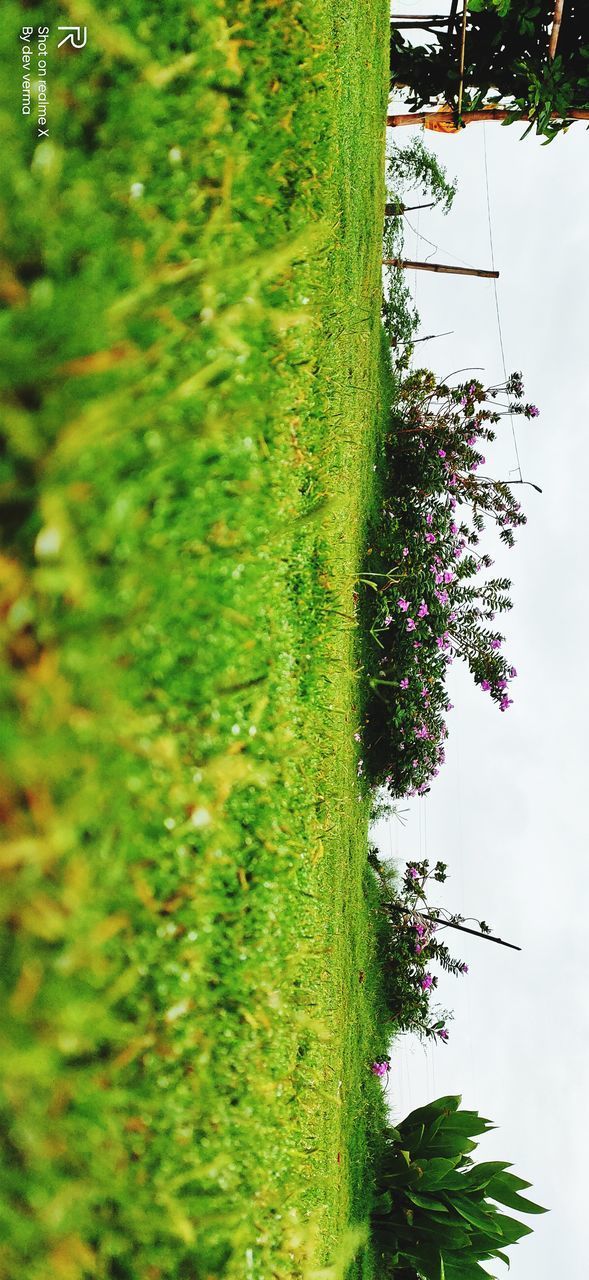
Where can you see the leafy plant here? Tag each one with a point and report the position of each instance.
(412, 171)
(438, 1214)
(414, 168)
(506, 62)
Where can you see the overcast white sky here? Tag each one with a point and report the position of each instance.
(508, 812)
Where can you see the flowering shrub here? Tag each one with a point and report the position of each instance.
(410, 945)
(427, 597)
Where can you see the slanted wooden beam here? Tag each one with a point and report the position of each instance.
(409, 265)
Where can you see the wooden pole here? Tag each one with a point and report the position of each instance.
(408, 265)
(556, 21)
(462, 56)
(397, 210)
(469, 117)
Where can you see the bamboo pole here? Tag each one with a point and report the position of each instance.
(439, 266)
(462, 56)
(558, 8)
(470, 117)
(404, 342)
(450, 924)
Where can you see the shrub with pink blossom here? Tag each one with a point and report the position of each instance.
(428, 598)
(411, 944)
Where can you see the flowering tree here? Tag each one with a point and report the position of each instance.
(428, 601)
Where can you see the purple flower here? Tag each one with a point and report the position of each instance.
(448, 576)
(485, 685)
(405, 551)
(441, 453)
(403, 605)
(442, 596)
(505, 703)
(512, 673)
(412, 871)
(423, 610)
(404, 683)
(410, 624)
(430, 537)
(533, 411)
(379, 1068)
(426, 982)
(429, 519)
(464, 968)
(388, 620)
(442, 1034)
(495, 644)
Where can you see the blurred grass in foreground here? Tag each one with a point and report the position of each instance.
(191, 384)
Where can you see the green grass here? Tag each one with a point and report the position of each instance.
(192, 386)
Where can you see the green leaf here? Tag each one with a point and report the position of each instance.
(481, 1174)
(486, 1219)
(450, 1144)
(428, 1262)
(436, 1171)
(512, 1230)
(464, 1269)
(426, 1202)
(425, 1115)
(500, 1189)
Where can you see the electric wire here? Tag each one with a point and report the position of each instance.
(438, 249)
(495, 291)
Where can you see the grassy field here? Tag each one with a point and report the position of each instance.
(192, 383)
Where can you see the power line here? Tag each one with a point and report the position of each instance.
(437, 248)
(496, 294)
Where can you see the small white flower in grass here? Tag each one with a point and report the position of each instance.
(175, 155)
(200, 818)
(252, 731)
(137, 190)
(177, 1010)
(235, 729)
(48, 543)
(169, 824)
